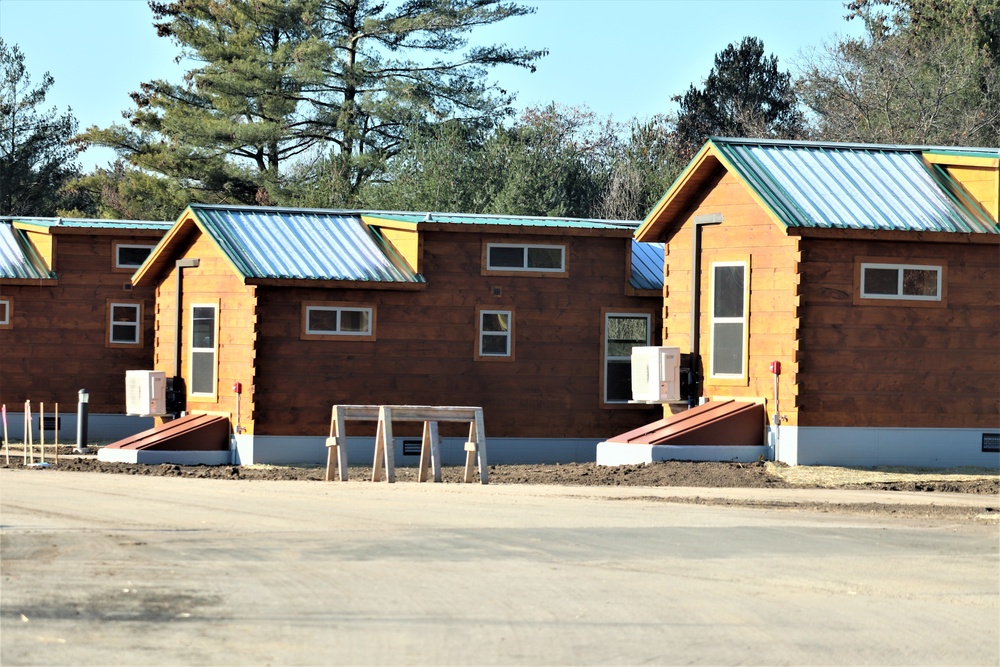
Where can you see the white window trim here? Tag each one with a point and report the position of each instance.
(524, 248)
(509, 334)
(137, 307)
(119, 246)
(214, 349)
(899, 296)
(744, 321)
(339, 310)
(5, 320)
(609, 358)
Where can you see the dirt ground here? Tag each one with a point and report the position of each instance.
(763, 474)
(660, 474)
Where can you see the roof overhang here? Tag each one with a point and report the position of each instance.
(960, 159)
(706, 165)
(78, 230)
(337, 284)
(894, 235)
(162, 257)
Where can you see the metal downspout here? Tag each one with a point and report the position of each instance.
(181, 264)
(693, 375)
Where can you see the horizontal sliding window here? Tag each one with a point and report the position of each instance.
(131, 255)
(521, 257)
(901, 281)
(338, 321)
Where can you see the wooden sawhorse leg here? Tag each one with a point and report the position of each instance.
(430, 449)
(336, 446)
(384, 447)
(476, 448)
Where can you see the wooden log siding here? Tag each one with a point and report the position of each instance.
(58, 342)
(213, 281)
(897, 365)
(426, 340)
(747, 232)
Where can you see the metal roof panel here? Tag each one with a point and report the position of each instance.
(499, 220)
(17, 260)
(647, 266)
(302, 244)
(850, 186)
(92, 223)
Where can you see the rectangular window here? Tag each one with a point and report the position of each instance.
(622, 332)
(125, 323)
(131, 255)
(337, 321)
(5, 313)
(496, 329)
(914, 282)
(520, 257)
(729, 319)
(204, 350)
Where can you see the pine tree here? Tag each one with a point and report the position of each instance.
(335, 82)
(36, 156)
(745, 95)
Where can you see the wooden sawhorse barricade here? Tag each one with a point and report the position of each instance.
(430, 446)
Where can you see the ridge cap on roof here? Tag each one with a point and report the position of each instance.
(432, 214)
(838, 145)
(55, 220)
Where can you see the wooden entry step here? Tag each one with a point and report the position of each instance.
(430, 447)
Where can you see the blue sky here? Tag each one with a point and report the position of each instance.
(624, 58)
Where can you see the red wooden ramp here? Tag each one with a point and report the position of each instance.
(201, 433)
(718, 423)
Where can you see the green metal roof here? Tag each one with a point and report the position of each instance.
(854, 186)
(498, 220)
(304, 244)
(93, 223)
(18, 260)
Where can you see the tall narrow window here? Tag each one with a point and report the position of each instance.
(4, 313)
(124, 323)
(622, 332)
(495, 334)
(729, 319)
(204, 328)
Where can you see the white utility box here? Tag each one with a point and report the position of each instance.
(146, 393)
(656, 374)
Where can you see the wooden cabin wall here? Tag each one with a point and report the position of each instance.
(59, 339)
(212, 281)
(424, 346)
(747, 232)
(894, 365)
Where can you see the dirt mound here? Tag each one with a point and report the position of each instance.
(661, 474)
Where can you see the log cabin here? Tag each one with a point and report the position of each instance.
(70, 318)
(532, 319)
(866, 275)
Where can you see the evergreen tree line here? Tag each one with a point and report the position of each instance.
(353, 104)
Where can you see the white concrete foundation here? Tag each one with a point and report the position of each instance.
(871, 447)
(615, 453)
(264, 449)
(158, 456)
(101, 428)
